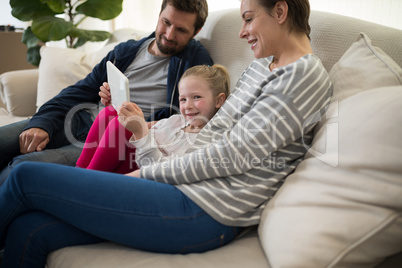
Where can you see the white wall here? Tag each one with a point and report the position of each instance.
(6, 18)
(143, 14)
(386, 12)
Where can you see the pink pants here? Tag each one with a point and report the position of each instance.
(107, 146)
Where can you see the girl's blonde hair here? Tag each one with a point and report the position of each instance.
(216, 75)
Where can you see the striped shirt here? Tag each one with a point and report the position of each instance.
(257, 138)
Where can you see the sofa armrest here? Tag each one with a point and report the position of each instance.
(18, 91)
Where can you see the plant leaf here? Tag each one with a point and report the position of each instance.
(51, 28)
(101, 9)
(29, 39)
(88, 35)
(26, 10)
(57, 6)
(33, 55)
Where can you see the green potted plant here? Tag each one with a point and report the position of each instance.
(54, 20)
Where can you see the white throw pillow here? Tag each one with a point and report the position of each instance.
(363, 67)
(62, 67)
(343, 205)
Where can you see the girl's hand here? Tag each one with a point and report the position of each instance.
(105, 95)
(135, 173)
(151, 124)
(132, 118)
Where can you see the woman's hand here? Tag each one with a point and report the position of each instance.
(132, 118)
(104, 94)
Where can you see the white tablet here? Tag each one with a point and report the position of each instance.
(118, 83)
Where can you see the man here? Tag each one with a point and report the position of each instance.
(153, 65)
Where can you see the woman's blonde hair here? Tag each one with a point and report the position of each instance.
(216, 75)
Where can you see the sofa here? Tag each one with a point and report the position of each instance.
(342, 207)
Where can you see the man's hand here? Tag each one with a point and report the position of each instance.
(104, 94)
(33, 139)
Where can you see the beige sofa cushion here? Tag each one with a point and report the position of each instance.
(18, 92)
(6, 119)
(363, 67)
(237, 254)
(343, 209)
(62, 67)
(343, 205)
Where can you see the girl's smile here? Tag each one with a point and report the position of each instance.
(198, 104)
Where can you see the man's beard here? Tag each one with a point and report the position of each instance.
(164, 49)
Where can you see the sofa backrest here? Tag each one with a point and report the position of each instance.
(331, 36)
(220, 35)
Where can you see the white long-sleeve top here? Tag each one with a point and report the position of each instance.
(255, 140)
(165, 139)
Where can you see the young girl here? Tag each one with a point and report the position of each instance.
(117, 143)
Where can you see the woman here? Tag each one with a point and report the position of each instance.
(199, 201)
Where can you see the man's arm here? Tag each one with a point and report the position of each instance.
(52, 115)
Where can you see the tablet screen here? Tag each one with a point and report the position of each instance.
(118, 83)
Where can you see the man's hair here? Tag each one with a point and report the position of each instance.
(199, 7)
(298, 14)
(217, 77)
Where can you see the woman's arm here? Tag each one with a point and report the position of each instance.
(257, 134)
(271, 117)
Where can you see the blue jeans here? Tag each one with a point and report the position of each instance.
(44, 207)
(59, 150)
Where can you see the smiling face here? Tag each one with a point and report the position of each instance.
(174, 30)
(198, 104)
(259, 28)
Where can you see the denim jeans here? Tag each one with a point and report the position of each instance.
(59, 150)
(44, 207)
